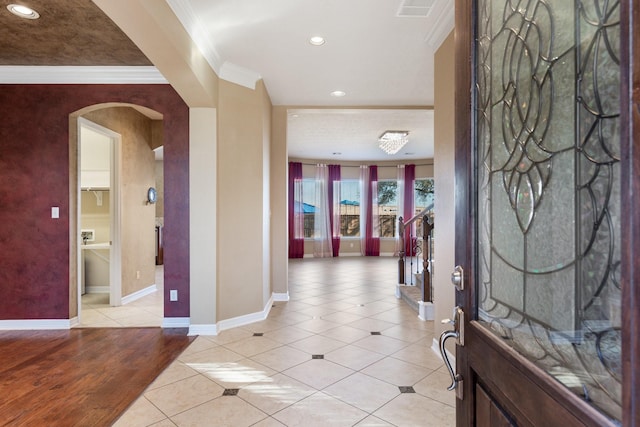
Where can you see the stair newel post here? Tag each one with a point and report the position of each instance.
(401, 251)
(427, 228)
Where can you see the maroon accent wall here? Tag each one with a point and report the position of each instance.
(34, 176)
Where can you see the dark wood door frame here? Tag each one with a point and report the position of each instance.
(465, 250)
(465, 243)
(630, 114)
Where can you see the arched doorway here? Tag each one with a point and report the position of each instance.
(129, 251)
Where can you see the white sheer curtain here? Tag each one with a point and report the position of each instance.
(400, 196)
(322, 226)
(364, 202)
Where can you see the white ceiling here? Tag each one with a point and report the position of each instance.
(374, 52)
(351, 134)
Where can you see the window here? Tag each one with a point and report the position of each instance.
(388, 207)
(308, 205)
(423, 197)
(350, 208)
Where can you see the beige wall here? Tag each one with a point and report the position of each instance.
(266, 193)
(137, 175)
(97, 218)
(159, 175)
(243, 126)
(279, 201)
(202, 217)
(444, 152)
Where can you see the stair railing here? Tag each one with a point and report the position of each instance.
(417, 248)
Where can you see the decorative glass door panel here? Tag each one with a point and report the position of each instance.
(549, 188)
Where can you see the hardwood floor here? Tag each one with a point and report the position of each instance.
(80, 377)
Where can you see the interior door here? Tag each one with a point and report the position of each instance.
(542, 234)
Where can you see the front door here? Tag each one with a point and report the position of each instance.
(541, 227)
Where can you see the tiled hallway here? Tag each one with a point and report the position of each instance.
(342, 352)
(144, 312)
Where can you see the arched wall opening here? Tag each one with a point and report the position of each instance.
(35, 140)
(119, 216)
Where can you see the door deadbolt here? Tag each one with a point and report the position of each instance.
(457, 278)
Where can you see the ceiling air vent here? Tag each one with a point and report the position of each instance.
(415, 8)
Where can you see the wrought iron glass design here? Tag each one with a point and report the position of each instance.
(549, 187)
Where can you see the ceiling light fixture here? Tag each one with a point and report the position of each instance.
(23, 11)
(317, 40)
(338, 93)
(391, 141)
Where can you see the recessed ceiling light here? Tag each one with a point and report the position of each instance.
(338, 93)
(23, 11)
(317, 40)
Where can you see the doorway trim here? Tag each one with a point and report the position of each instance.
(115, 214)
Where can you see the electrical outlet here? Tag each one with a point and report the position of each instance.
(173, 295)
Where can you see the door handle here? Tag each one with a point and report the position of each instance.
(458, 333)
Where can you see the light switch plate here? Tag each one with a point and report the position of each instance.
(55, 212)
(173, 295)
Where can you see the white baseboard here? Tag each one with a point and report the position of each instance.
(246, 319)
(175, 322)
(278, 296)
(234, 322)
(348, 254)
(426, 310)
(139, 294)
(36, 324)
(210, 329)
(97, 289)
(435, 347)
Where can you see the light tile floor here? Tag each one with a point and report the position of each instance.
(146, 311)
(313, 362)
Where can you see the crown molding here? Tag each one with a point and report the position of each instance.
(196, 30)
(242, 76)
(445, 22)
(18, 74)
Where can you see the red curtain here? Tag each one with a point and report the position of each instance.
(296, 214)
(408, 209)
(334, 217)
(372, 243)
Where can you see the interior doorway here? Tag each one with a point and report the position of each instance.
(99, 212)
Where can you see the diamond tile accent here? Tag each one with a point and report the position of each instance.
(406, 389)
(258, 334)
(317, 356)
(376, 333)
(232, 391)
